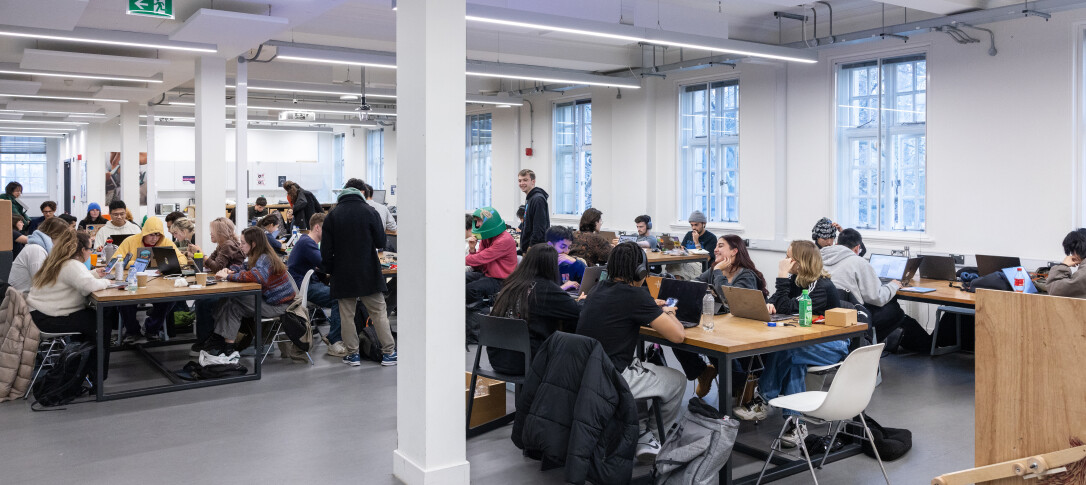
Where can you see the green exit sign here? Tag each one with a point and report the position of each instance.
(151, 8)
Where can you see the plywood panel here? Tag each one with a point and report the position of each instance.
(1030, 395)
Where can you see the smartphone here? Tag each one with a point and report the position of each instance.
(110, 264)
(671, 302)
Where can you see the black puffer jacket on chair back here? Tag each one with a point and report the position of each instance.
(576, 409)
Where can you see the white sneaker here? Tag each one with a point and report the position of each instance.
(647, 447)
(337, 349)
(755, 411)
(794, 436)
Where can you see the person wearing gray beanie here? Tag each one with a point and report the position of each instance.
(699, 238)
(697, 216)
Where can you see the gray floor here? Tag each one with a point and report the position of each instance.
(334, 423)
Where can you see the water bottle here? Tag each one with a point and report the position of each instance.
(108, 249)
(805, 316)
(1019, 282)
(707, 307)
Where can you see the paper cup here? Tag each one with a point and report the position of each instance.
(94, 260)
(141, 279)
(201, 279)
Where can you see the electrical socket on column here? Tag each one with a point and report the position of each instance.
(958, 258)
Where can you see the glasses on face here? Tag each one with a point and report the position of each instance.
(88, 249)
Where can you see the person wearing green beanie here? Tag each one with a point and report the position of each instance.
(492, 255)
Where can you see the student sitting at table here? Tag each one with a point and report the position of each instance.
(785, 371)
(18, 239)
(613, 314)
(571, 269)
(172, 218)
(258, 211)
(30, 259)
(227, 253)
(151, 235)
(492, 253)
(48, 211)
(184, 235)
(70, 220)
(644, 239)
(94, 216)
(118, 224)
(588, 244)
(698, 237)
(58, 297)
(306, 256)
(1061, 282)
(532, 294)
(270, 226)
(855, 274)
(263, 267)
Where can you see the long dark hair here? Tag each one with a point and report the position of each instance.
(589, 219)
(541, 261)
(742, 259)
(258, 246)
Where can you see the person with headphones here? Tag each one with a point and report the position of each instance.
(613, 314)
(644, 225)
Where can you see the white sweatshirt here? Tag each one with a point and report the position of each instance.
(68, 294)
(25, 266)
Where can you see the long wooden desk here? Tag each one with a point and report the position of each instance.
(661, 258)
(161, 290)
(943, 293)
(734, 338)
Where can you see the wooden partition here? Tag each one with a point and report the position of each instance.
(1030, 363)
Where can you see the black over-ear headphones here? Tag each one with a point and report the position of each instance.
(642, 265)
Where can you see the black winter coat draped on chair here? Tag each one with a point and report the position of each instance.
(576, 409)
(352, 233)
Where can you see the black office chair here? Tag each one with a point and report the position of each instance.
(500, 333)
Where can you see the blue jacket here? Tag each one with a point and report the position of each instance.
(305, 256)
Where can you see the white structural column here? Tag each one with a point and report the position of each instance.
(152, 187)
(241, 131)
(130, 158)
(210, 145)
(430, 52)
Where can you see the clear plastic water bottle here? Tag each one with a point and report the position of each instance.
(805, 316)
(1019, 282)
(707, 309)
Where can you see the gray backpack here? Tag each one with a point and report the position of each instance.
(697, 447)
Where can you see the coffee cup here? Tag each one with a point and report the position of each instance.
(201, 279)
(141, 279)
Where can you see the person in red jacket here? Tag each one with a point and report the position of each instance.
(492, 255)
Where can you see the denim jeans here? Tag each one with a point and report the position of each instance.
(785, 371)
(321, 295)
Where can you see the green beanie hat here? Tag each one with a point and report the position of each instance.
(492, 225)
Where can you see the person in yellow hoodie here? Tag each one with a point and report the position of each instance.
(152, 235)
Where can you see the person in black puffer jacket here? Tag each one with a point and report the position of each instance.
(576, 409)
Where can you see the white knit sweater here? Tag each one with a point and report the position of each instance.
(69, 293)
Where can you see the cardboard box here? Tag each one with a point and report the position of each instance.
(840, 317)
(489, 399)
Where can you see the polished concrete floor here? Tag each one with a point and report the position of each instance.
(336, 424)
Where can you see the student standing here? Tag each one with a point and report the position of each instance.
(537, 215)
(1061, 281)
(306, 256)
(351, 234)
(303, 203)
(492, 254)
(118, 224)
(588, 243)
(613, 314)
(12, 192)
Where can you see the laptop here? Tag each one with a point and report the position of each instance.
(590, 278)
(608, 236)
(1009, 272)
(119, 238)
(379, 196)
(911, 267)
(689, 295)
(938, 268)
(627, 238)
(749, 303)
(166, 260)
(987, 265)
(889, 267)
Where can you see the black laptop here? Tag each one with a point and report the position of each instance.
(119, 238)
(689, 294)
(987, 265)
(166, 260)
(938, 268)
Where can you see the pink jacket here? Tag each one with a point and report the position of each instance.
(495, 257)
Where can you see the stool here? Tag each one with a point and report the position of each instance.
(958, 312)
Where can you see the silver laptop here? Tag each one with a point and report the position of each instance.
(749, 303)
(888, 267)
(590, 278)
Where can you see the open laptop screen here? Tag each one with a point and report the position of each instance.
(889, 266)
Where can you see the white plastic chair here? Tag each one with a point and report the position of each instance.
(54, 341)
(277, 324)
(311, 312)
(849, 394)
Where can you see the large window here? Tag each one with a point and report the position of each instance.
(573, 156)
(478, 161)
(22, 159)
(375, 158)
(881, 143)
(337, 159)
(709, 150)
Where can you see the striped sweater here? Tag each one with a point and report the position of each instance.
(275, 288)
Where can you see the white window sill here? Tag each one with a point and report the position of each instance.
(566, 219)
(889, 238)
(718, 228)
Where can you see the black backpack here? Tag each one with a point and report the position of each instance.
(368, 345)
(892, 443)
(63, 383)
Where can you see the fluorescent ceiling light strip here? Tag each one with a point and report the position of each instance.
(335, 61)
(63, 98)
(144, 41)
(31, 135)
(526, 77)
(314, 91)
(495, 100)
(46, 122)
(292, 108)
(37, 130)
(33, 132)
(80, 76)
(66, 113)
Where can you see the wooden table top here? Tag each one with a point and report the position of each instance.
(661, 258)
(732, 334)
(161, 288)
(943, 293)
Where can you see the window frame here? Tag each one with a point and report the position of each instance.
(28, 180)
(375, 159)
(581, 153)
(480, 195)
(719, 213)
(879, 134)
